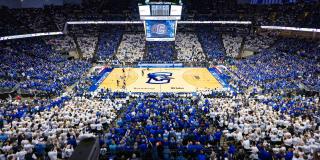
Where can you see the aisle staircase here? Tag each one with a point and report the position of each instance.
(77, 46)
(241, 47)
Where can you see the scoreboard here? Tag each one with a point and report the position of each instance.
(160, 10)
(160, 20)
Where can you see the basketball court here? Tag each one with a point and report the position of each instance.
(160, 80)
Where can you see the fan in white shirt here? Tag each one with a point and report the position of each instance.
(53, 154)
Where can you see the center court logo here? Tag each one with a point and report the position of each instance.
(159, 77)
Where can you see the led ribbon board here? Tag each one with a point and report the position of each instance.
(291, 28)
(30, 35)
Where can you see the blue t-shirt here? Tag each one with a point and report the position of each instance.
(201, 157)
(289, 156)
(217, 135)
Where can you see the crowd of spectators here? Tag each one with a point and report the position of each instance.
(108, 44)
(263, 118)
(303, 47)
(54, 133)
(7, 85)
(274, 70)
(211, 43)
(37, 68)
(188, 48)
(261, 124)
(36, 19)
(6, 27)
(296, 15)
(50, 18)
(205, 125)
(131, 48)
(232, 44)
(53, 18)
(62, 43)
(257, 42)
(259, 69)
(160, 51)
(309, 52)
(87, 46)
(288, 15)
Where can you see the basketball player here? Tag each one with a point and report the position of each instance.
(118, 83)
(124, 84)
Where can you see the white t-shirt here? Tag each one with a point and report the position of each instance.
(288, 142)
(99, 126)
(6, 148)
(274, 138)
(53, 155)
(239, 136)
(93, 126)
(21, 155)
(2, 157)
(69, 152)
(246, 144)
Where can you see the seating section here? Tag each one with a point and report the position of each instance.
(52, 18)
(309, 52)
(232, 44)
(108, 44)
(62, 43)
(131, 48)
(160, 51)
(7, 85)
(275, 70)
(87, 46)
(188, 48)
(302, 47)
(211, 43)
(258, 43)
(6, 24)
(36, 68)
(79, 115)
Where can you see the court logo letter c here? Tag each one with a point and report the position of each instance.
(159, 78)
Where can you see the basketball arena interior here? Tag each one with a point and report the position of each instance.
(159, 79)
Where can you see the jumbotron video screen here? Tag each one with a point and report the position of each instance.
(160, 30)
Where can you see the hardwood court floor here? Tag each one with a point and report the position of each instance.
(181, 80)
